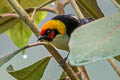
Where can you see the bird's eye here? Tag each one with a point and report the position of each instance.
(48, 31)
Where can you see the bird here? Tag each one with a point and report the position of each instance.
(57, 31)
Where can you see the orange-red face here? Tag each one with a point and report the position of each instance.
(50, 29)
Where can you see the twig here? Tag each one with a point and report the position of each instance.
(33, 14)
(76, 8)
(31, 45)
(47, 9)
(46, 3)
(7, 57)
(65, 2)
(25, 17)
(115, 66)
(59, 7)
(8, 15)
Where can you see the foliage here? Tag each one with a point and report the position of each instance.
(98, 40)
(32, 72)
(90, 8)
(18, 32)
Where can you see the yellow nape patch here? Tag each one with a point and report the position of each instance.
(55, 24)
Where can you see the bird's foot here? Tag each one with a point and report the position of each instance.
(63, 61)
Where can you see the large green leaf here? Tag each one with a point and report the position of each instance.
(20, 33)
(95, 41)
(32, 72)
(90, 8)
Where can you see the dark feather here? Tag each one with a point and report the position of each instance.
(72, 22)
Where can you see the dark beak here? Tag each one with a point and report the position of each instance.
(42, 37)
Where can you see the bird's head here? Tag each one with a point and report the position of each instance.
(51, 29)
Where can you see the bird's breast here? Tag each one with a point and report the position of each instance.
(61, 42)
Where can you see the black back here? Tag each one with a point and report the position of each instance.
(71, 22)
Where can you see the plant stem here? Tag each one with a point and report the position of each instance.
(59, 7)
(115, 66)
(27, 20)
(76, 9)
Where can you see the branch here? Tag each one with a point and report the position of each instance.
(65, 2)
(59, 7)
(114, 66)
(84, 73)
(46, 3)
(25, 17)
(9, 15)
(33, 14)
(7, 57)
(76, 9)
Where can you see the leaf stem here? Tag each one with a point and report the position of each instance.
(114, 66)
(27, 20)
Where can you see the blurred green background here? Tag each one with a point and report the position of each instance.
(97, 71)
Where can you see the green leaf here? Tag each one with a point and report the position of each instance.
(118, 1)
(90, 8)
(19, 34)
(116, 4)
(63, 76)
(32, 72)
(39, 16)
(95, 41)
(31, 3)
(5, 6)
(7, 23)
(117, 58)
